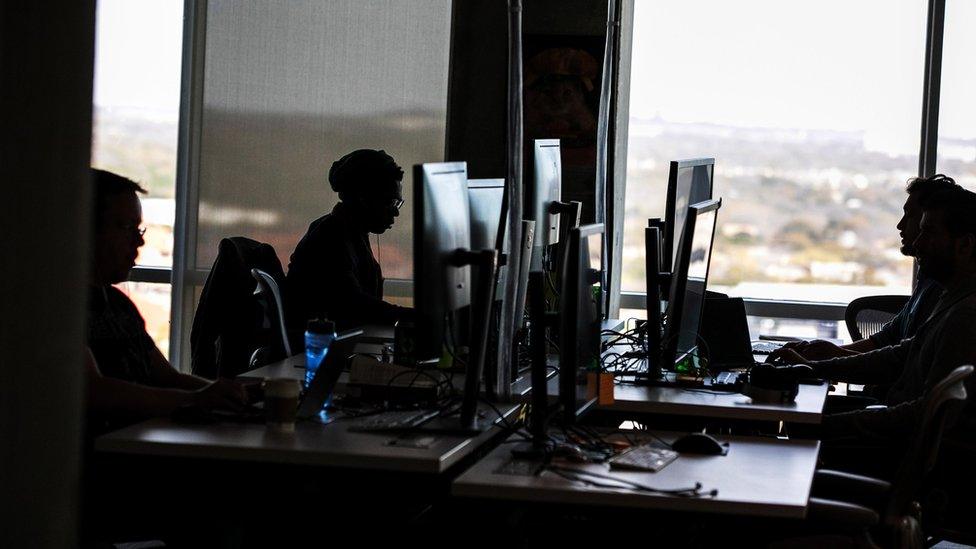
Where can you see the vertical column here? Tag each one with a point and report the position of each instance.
(46, 66)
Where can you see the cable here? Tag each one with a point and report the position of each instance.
(579, 475)
(452, 344)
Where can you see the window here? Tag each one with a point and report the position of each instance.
(957, 112)
(287, 88)
(135, 120)
(811, 111)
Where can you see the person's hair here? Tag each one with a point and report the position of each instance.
(107, 185)
(958, 207)
(922, 187)
(360, 170)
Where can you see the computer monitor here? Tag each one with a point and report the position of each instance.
(441, 227)
(443, 261)
(689, 182)
(542, 192)
(485, 199)
(580, 314)
(689, 282)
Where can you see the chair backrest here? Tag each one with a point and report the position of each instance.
(269, 296)
(866, 315)
(942, 403)
(230, 323)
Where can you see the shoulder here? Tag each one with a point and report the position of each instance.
(110, 298)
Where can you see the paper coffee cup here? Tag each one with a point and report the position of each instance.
(281, 402)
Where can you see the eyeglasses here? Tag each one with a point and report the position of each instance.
(131, 228)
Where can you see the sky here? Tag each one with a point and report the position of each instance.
(138, 55)
(830, 64)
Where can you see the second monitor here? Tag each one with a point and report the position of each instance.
(679, 345)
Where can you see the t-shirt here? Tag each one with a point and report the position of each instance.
(117, 336)
(333, 275)
(915, 312)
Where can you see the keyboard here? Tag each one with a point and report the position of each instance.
(765, 347)
(646, 457)
(395, 420)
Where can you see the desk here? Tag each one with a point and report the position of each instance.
(332, 445)
(762, 477)
(636, 399)
(293, 367)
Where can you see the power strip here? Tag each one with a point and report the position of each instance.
(375, 380)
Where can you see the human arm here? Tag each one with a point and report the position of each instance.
(164, 375)
(107, 394)
(873, 367)
(949, 345)
(323, 280)
(820, 349)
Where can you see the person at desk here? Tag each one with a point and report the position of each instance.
(946, 252)
(128, 377)
(923, 299)
(333, 273)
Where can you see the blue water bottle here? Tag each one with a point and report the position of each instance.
(319, 334)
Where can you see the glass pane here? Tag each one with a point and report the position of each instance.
(811, 111)
(957, 112)
(153, 302)
(137, 100)
(292, 86)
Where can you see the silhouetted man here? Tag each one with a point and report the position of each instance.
(128, 377)
(946, 252)
(923, 299)
(333, 273)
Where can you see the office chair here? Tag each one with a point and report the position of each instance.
(269, 296)
(865, 316)
(866, 508)
(230, 321)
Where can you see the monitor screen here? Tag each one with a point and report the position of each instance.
(689, 182)
(690, 281)
(441, 227)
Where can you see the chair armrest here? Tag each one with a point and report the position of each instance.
(849, 487)
(838, 514)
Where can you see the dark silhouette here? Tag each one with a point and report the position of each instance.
(230, 321)
(922, 301)
(128, 377)
(946, 252)
(333, 273)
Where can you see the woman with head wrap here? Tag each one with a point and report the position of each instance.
(333, 273)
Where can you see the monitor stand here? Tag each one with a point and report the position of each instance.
(540, 445)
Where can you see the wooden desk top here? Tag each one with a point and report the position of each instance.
(759, 477)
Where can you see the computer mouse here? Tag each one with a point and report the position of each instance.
(699, 443)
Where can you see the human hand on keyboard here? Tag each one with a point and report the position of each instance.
(785, 355)
(817, 349)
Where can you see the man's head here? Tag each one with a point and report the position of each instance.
(118, 236)
(368, 181)
(919, 189)
(946, 243)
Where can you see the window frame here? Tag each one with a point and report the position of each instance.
(928, 153)
(184, 281)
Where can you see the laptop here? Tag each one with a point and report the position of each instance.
(323, 384)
